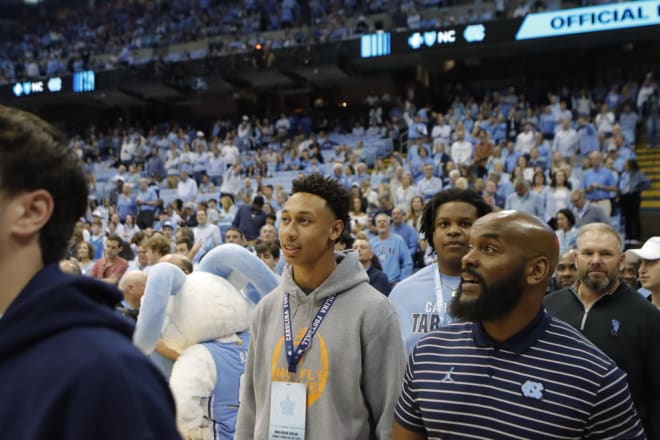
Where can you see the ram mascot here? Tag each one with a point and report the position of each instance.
(204, 317)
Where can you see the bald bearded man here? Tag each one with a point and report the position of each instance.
(511, 370)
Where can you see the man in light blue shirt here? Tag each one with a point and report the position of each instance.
(391, 250)
(147, 202)
(597, 182)
(403, 229)
(525, 201)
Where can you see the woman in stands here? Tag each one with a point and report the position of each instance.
(85, 256)
(227, 210)
(381, 173)
(414, 212)
(358, 214)
(566, 231)
(417, 162)
(540, 187)
(560, 190)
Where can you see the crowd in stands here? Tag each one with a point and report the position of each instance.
(110, 35)
(568, 161)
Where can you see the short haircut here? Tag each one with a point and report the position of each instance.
(271, 247)
(117, 238)
(33, 156)
(234, 228)
(158, 243)
(599, 227)
(337, 198)
(346, 239)
(568, 214)
(468, 196)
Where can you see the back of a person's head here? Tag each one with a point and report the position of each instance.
(34, 156)
(335, 195)
(158, 243)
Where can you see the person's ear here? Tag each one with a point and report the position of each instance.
(537, 270)
(29, 212)
(337, 229)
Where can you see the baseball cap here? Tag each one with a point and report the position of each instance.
(200, 133)
(117, 178)
(97, 213)
(650, 250)
(168, 225)
(190, 205)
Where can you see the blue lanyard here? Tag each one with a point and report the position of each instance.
(293, 355)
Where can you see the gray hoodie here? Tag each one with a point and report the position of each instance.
(352, 369)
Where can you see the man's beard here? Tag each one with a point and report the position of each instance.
(494, 301)
(597, 285)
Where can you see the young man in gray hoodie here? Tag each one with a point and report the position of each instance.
(324, 334)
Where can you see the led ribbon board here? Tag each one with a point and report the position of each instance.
(609, 17)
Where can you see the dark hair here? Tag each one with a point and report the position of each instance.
(632, 164)
(271, 247)
(337, 198)
(568, 214)
(115, 237)
(449, 195)
(346, 239)
(34, 155)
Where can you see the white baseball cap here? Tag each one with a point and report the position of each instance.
(650, 250)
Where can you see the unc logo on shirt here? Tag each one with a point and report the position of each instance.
(314, 378)
(533, 390)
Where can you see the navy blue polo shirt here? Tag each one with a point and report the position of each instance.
(547, 381)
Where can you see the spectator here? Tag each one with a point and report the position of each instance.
(631, 185)
(566, 271)
(147, 201)
(525, 201)
(377, 278)
(649, 269)
(597, 183)
(619, 321)
(585, 212)
(421, 300)
(111, 267)
(391, 250)
(504, 279)
(206, 232)
(250, 218)
(566, 230)
(429, 185)
(404, 230)
(68, 321)
(313, 219)
(186, 188)
(629, 269)
(131, 286)
(269, 253)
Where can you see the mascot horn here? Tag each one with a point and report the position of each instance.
(204, 317)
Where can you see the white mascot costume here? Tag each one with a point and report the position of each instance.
(205, 317)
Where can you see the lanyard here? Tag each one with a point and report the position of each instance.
(439, 296)
(293, 355)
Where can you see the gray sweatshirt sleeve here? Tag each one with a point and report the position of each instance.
(383, 366)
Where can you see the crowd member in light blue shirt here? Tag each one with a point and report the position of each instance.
(216, 166)
(566, 231)
(405, 231)
(391, 250)
(126, 203)
(428, 186)
(524, 200)
(597, 182)
(421, 299)
(146, 201)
